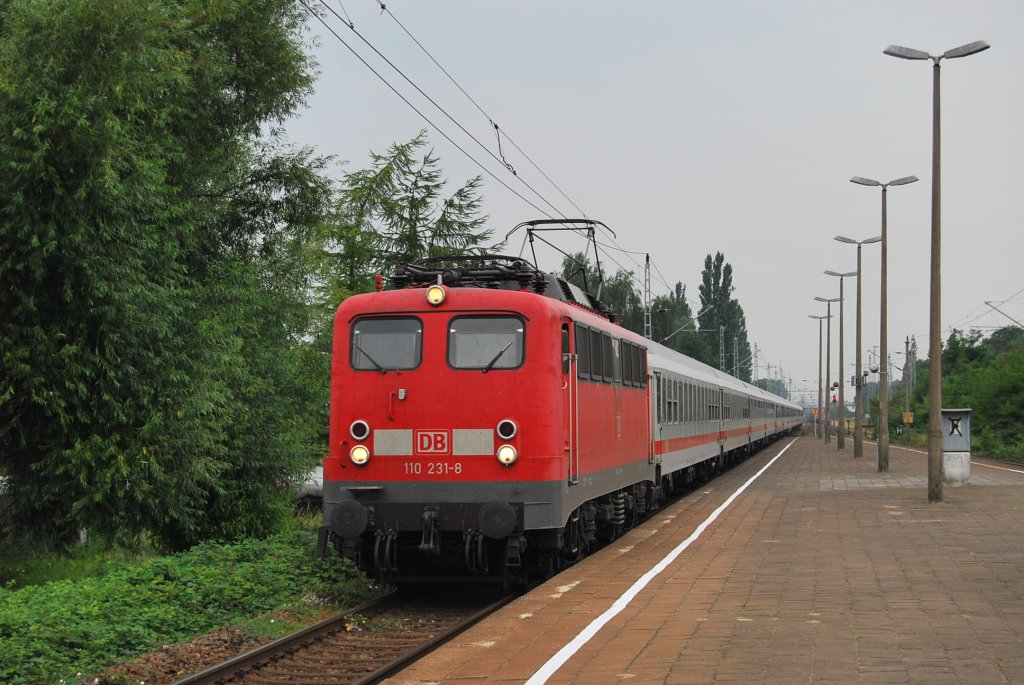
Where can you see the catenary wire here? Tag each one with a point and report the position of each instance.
(500, 160)
(347, 21)
(629, 253)
(490, 119)
(420, 113)
(440, 108)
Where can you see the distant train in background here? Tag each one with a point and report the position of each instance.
(489, 421)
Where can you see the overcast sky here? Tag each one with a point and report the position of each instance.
(727, 125)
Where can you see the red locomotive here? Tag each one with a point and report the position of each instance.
(489, 420)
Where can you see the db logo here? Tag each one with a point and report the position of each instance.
(433, 442)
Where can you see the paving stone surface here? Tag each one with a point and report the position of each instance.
(821, 571)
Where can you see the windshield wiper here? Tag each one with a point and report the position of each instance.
(372, 360)
(494, 361)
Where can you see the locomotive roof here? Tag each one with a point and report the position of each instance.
(499, 272)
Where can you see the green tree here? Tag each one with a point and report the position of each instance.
(619, 292)
(581, 272)
(673, 324)
(719, 310)
(150, 258)
(395, 212)
(986, 375)
(996, 401)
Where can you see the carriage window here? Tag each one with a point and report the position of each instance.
(634, 364)
(386, 344)
(626, 354)
(660, 396)
(609, 363)
(613, 350)
(582, 352)
(675, 401)
(596, 355)
(485, 342)
(565, 348)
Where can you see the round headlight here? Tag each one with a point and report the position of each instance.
(507, 429)
(359, 430)
(359, 455)
(506, 455)
(436, 294)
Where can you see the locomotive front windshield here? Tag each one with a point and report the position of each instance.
(387, 344)
(485, 342)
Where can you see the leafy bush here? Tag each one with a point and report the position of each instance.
(53, 631)
(154, 374)
(985, 374)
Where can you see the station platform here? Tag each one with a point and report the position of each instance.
(820, 570)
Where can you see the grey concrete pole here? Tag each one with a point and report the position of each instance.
(858, 421)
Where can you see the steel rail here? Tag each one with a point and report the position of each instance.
(237, 667)
(223, 672)
(432, 644)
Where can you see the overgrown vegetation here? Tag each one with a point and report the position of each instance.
(58, 629)
(985, 374)
(152, 278)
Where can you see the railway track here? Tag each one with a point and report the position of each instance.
(362, 646)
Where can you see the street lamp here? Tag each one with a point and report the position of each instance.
(841, 439)
(817, 422)
(828, 364)
(858, 406)
(883, 384)
(935, 303)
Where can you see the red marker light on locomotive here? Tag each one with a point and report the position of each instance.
(507, 429)
(359, 430)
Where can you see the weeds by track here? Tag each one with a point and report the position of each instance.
(361, 646)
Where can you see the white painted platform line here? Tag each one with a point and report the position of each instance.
(998, 468)
(567, 652)
(975, 463)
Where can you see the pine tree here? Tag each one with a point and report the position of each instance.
(395, 212)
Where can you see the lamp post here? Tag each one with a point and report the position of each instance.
(883, 381)
(858, 403)
(841, 438)
(817, 423)
(828, 364)
(935, 302)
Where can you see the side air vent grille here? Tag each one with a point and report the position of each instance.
(567, 295)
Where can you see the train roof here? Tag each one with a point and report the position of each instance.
(502, 272)
(675, 361)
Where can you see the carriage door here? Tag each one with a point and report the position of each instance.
(721, 416)
(750, 419)
(570, 402)
(654, 412)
